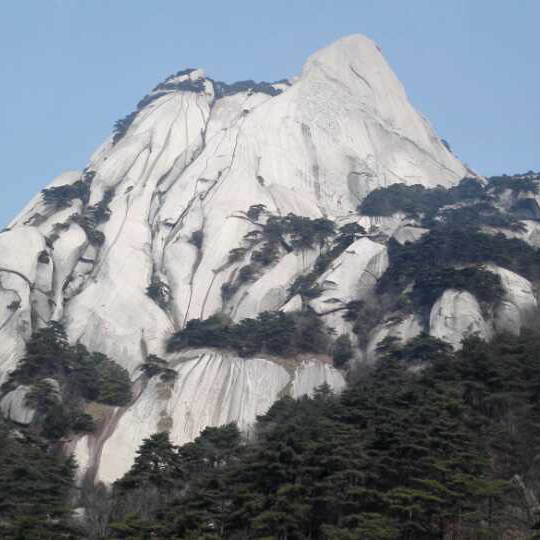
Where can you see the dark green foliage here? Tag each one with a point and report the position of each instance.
(526, 209)
(14, 306)
(161, 475)
(100, 212)
(278, 234)
(197, 239)
(288, 232)
(417, 200)
(517, 184)
(160, 292)
(273, 332)
(266, 255)
(113, 382)
(94, 215)
(62, 419)
(310, 333)
(62, 377)
(302, 232)
(42, 396)
(430, 283)
(237, 254)
(306, 285)
(222, 89)
(122, 125)
(255, 211)
(399, 455)
(470, 205)
(347, 234)
(43, 257)
(228, 290)
(299, 232)
(444, 247)
(154, 96)
(96, 238)
(154, 365)
(429, 265)
(212, 448)
(422, 348)
(342, 350)
(180, 73)
(34, 490)
(394, 198)
(157, 463)
(211, 332)
(476, 216)
(61, 197)
(366, 314)
(246, 274)
(46, 355)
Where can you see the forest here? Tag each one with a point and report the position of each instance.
(427, 443)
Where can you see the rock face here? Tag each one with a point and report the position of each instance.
(213, 388)
(404, 329)
(192, 160)
(518, 306)
(455, 315)
(163, 202)
(13, 406)
(350, 277)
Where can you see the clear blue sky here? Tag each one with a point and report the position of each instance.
(70, 68)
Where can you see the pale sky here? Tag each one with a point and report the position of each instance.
(70, 68)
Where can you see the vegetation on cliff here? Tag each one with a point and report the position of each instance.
(402, 454)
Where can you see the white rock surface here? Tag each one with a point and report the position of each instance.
(190, 163)
(408, 233)
(455, 315)
(531, 234)
(386, 225)
(518, 308)
(36, 204)
(19, 251)
(15, 320)
(404, 329)
(13, 406)
(212, 388)
(348, 278)
(312, 373)
(270, 292)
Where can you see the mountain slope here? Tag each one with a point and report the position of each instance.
(185, 212)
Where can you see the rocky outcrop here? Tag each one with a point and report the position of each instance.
(13, 406)
(402, 328)
(212, 388)
(351, 276)
(455, 315)
(192, 160)
(518, 308)
(408, 233)
(163, 202)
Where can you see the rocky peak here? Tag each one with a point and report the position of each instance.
(218, 198)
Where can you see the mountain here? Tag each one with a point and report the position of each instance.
(221, 232)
